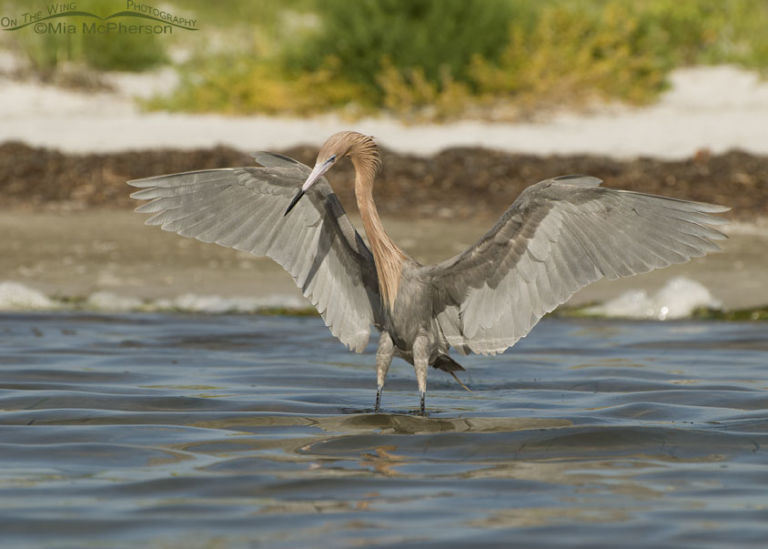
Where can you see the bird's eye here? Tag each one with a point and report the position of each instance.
(332, 158)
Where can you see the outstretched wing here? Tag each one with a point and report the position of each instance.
(557, 237)
(242, 208)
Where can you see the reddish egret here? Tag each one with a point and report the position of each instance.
(558, 236)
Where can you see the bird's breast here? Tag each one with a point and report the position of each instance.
(411, 313)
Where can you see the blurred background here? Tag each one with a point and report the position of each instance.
(470, 101)
(134, 415)
(421, 60)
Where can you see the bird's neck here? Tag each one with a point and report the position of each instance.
(387, 255)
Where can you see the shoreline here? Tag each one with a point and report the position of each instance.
(112, 255)
(70, 231)
(716, 108)
(462, 183)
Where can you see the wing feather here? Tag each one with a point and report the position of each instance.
(558, 236)
(242, 208)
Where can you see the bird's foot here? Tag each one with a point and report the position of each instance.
(378, 400)
(422, 399)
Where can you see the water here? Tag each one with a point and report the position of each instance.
(162, 430)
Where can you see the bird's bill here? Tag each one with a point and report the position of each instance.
(317, 172)
(296, 198)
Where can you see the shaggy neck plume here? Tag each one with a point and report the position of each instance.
(388, 257)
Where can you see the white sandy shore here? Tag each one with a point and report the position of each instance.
(717, 108)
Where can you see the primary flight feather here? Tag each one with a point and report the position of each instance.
(558, 236)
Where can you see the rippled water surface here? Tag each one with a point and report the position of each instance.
(253, 431)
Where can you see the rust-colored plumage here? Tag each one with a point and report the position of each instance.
(363, 153)
(558, 236)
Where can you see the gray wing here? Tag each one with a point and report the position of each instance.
(242, 208)
(557, 237)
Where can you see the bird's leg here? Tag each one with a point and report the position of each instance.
(420, 365)
(383, 359)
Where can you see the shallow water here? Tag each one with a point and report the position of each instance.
(166, 430)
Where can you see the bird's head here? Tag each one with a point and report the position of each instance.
(361, 149)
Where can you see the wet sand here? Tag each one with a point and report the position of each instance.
(78, 253)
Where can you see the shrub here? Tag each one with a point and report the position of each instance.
(570, 56)
(437, 59)
(113, 51)
(432, 37)
(241, 85)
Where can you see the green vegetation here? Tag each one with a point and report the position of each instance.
(437, 59)
(237, 84)
(425, 59)
(756, 314)
(46, 52)
(433, 37)
(737, 315)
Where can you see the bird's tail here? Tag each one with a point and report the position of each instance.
(447, 364)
